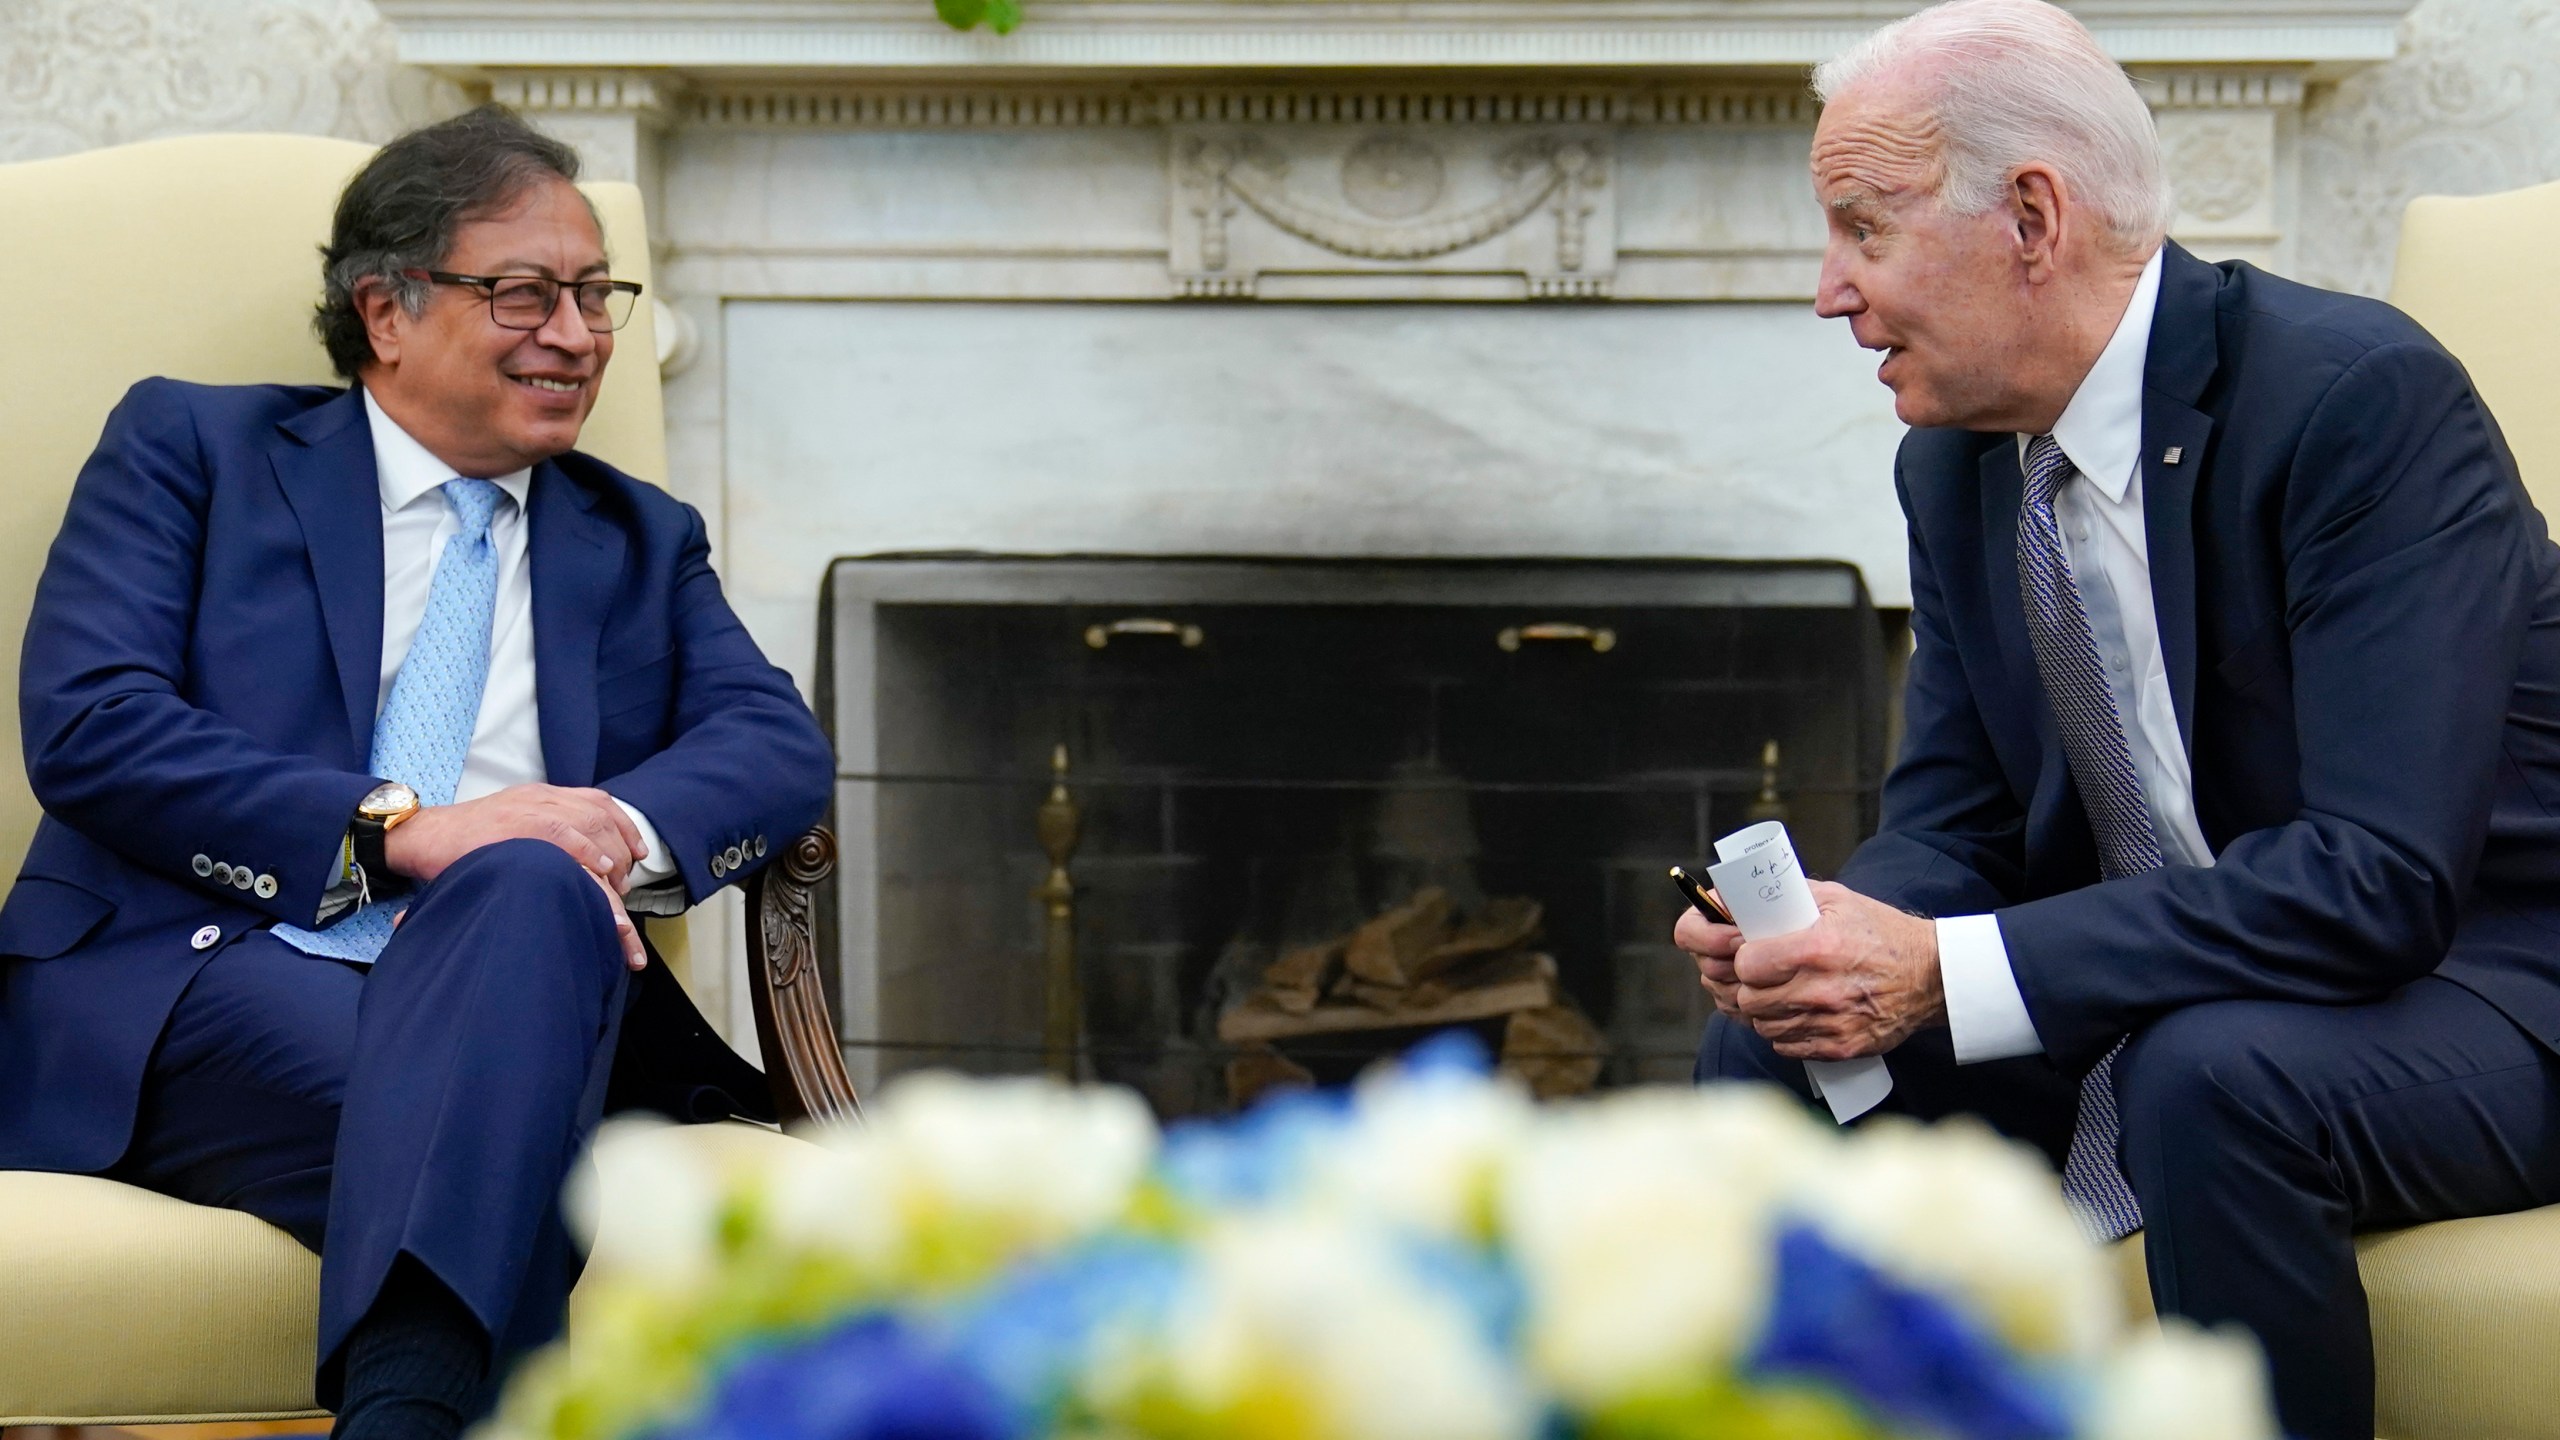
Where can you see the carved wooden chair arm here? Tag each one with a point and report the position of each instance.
(793, 1022)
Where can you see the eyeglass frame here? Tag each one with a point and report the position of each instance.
(487, 285)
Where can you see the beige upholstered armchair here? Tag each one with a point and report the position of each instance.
(197, 258)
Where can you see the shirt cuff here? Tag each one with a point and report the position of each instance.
(1986, 1015)
(652, 866)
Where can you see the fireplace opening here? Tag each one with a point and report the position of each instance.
(1206, 826)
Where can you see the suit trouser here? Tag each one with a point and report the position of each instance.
(429, 1106)
(2260, 1136)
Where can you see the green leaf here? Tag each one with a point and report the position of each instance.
(1003, 15)
(961, 14)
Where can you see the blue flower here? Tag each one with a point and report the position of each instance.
(1906, 1354)
(874, 1377)
(1033, 1331)
(1255, 1158)
(1449, 1052)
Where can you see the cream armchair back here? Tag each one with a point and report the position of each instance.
(2476, 271)
(198, 258)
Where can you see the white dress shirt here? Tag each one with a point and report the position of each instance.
(506, 742)
(2100, 512)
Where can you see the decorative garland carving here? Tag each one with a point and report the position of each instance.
(1533, 171)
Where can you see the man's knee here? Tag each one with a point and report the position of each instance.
(2212, 1069)
(533, 869)
(529, 887)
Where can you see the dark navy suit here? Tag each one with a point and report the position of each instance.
(199, 678)
(2347, 1020)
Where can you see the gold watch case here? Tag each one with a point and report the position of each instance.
(390, 802)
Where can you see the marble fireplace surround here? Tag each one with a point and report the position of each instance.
(1437, 277)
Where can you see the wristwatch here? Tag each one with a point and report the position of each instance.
(383, 809)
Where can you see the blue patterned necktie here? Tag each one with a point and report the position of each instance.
(424, 731)
(2093, 740)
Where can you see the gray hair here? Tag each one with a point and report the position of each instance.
(2018, 82)
(402, 210)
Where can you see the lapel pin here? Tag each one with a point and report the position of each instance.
(2173, 455)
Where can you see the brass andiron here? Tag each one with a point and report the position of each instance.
(1769, 806)
(1059, 823)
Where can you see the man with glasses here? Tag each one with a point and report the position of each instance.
(363, 720)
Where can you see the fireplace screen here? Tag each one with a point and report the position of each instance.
(1205, 826)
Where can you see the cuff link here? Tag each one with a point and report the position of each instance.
(207, 938)
(265, 889)
(204, 866)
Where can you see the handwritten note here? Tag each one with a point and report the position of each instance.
(1764, 886)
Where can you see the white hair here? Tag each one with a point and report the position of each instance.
(2016, 82)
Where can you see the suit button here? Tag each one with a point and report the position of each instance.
(719, 867)
(241, 879)
(207, 938)
(221, 873)
(266, 887)
(734, 856)
(203, 864)
(759, 852)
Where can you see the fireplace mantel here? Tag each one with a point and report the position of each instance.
(1476, 278)
(752, 38)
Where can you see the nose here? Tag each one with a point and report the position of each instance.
(565, 330)
(1835, 294)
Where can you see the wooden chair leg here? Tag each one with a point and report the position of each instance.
(793, 1021)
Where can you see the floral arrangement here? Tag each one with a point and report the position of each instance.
(1430, 1256)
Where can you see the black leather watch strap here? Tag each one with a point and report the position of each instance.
(366, 844)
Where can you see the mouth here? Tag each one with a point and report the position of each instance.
(1891, 354)
(548, 385)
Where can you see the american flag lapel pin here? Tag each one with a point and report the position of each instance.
(2173, 455)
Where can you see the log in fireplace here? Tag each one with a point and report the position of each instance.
(1312, 809)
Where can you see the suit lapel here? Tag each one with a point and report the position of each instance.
(576, 558)
(2183, 354)
(327, 472)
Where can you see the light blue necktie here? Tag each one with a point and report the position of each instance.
(424, 731)
(2093, 740)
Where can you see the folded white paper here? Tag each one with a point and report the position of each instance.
(1760, 881)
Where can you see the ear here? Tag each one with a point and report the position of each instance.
(2038, 202)
(383, 318)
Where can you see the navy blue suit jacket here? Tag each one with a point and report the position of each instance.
(199, 677)
(2360, 614)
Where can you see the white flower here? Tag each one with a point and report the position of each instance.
(837, 1198)
(644, 1205)
(1039, 1160)
(2182, 1381)
(1641, 1224)
(1318, 1315)
(1422, 1149)
(1956, 1210)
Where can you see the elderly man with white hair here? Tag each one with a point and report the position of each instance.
(2222, 859)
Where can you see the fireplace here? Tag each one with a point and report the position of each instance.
(1489, 764)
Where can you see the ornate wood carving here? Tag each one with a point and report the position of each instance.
(793, 1021)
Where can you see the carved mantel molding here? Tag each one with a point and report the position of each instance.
(1154, 36)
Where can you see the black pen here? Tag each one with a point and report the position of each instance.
(1700, 898)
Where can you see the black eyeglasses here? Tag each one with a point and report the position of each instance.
(526, 302)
